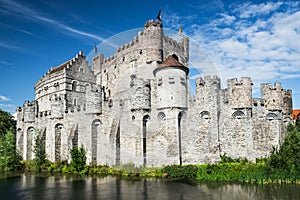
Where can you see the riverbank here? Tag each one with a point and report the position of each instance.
(243, 171)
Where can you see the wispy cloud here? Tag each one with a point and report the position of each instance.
(21, 10)
(7, 46)
(4, 98)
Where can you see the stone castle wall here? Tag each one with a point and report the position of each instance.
(134, 106)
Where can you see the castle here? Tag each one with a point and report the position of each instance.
(135, 106)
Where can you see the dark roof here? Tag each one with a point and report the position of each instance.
(64, 65)
(171, 61)
(61, 67)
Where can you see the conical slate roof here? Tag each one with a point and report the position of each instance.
(171, 62)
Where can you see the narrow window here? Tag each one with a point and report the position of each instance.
(58, 131)
(171, 80)
(30, 135)
(75, 102)
(159, 83)
(95, 131)
(74, 86)
(145, 120)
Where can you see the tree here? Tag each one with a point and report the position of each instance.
(9, 156)
(286, 159)
(39, 152)
(78, 158)
(7, 122)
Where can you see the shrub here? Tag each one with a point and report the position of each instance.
(78, 158)
(9, 156)
(39, 152)
(184, 171)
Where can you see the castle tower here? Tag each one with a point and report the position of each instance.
(287, 107)
(272, 96)
(171, 79)
(208, 116)
(152, 41)
(240, 93)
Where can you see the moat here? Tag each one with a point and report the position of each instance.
(21, 186)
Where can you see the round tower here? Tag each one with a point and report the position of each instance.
(172, 86)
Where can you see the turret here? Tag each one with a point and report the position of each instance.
(207, 89)
(172, 85)
(97, 63)
(287, 107)
(185, 42)
(152, 40)
(29, 109)
(240, 92)
(272, 96)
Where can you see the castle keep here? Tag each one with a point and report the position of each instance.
(135, 106)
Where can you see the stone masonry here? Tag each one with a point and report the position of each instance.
(135, 106)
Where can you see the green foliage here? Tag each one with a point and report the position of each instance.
(228, 159)
(97, 169)
(9, 157)
(7, 122)
(184, 171)
(78, 159)
(39, 152)
(284, 163)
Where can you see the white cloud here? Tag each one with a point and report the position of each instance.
(265, 46)
(248, 10)
(4, 98)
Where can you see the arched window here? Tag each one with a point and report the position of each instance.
(205, 115)
(238, 114)
(272, 116)
(20, 140)
(58, 132)
(74, 86)
(95, 131)
(87, 87)
(30, 136)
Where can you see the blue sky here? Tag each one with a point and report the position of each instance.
(260, 39)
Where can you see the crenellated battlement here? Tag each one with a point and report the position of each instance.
(155, 23)
(208, 81)
(246, 81)
(265, 87)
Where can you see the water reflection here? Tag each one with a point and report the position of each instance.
(53, 187)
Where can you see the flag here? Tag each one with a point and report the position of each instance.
(95, 48)
(159, 15)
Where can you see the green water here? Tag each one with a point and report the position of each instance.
(20, 186)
